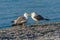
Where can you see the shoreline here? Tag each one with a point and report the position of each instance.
(32, 32)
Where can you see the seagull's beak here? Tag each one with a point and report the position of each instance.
(29, 14)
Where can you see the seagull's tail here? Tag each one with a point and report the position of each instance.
(47, 19)
(16, 24)
(12, 21)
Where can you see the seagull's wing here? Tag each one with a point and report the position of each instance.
(38, 17)
(21, 19)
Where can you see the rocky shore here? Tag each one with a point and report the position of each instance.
(50, 31)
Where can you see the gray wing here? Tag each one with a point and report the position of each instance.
(21, 19)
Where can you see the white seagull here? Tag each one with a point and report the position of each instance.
(21, 20)
(37, 17)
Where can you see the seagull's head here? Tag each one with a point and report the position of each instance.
(26, 14)
(33, 14)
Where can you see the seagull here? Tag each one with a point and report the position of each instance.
(37, 17)
(21, 20)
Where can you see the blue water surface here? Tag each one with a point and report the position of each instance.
(11, 9)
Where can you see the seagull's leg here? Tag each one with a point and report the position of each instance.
(23, 26)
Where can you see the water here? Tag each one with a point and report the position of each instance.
(11, 9)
